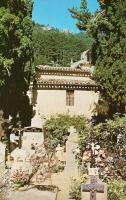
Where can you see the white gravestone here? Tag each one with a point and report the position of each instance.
(32, 139)
(71, 167)
(2, 155)
(60, 153)
(20, 160)
(36, 120)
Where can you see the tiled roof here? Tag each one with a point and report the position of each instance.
(78, 79)
(64, 69)
(66, 82)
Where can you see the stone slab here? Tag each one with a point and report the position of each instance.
(33, 194)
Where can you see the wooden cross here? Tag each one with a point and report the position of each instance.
(94, 187)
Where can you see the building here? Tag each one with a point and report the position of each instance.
(64, 90)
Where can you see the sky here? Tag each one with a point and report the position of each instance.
(55, 13)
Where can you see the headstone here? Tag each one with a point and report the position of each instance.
(33, 193)
(36, 120)
(2, 155)
(19, 155)
(31, 139)
(60, 153)
(71, 167)
(20, 160)
(94, 188)
(93, 172)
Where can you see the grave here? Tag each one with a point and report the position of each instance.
(2, 156)
(71, 167)
(60, 154)
(21, 160)
(94, 188)
(32, 137)
(36, 120)
(32, 194)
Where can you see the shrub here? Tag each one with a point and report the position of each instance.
(75, 190)
(116, 190)
(19, 177)
(111, 138)
(56, 128)
(58, 167)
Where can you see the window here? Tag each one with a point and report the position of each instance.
(70, 97)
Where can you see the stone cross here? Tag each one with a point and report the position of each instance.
(93, 187)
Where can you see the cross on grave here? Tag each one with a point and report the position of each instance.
(94, 187)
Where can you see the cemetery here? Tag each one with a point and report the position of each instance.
(71, 168)
(63, 100)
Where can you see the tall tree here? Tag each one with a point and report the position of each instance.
(15, 56)
(108, 29)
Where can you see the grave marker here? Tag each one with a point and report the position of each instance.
(94, 188)
(2, 155)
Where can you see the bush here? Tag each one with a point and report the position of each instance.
(56, 128)
(58, 167)
(75, 191)
(116, 190)
(111, 156)
(19, 177)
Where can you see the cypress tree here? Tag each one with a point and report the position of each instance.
(15, 56)
(108, 29)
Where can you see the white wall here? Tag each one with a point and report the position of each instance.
(54, 101)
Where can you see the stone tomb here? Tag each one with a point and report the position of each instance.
(94, 188)
(21, 160)
(32, 137)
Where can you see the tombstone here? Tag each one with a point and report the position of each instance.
(36, 121)
(71, 167)
(94, 188)
(2, 156)
(32, 137)
(60, 153)
(20, 160)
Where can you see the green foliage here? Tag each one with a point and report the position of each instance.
(108, 29)
(56, 128)
(58, 167)
(75, 190)
(116, 190)
(58, 47)
(15, 54)
(111, 136)
(82, 15)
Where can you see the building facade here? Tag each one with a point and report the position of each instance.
(64, 90)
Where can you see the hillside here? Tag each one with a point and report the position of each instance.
(54, 46)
